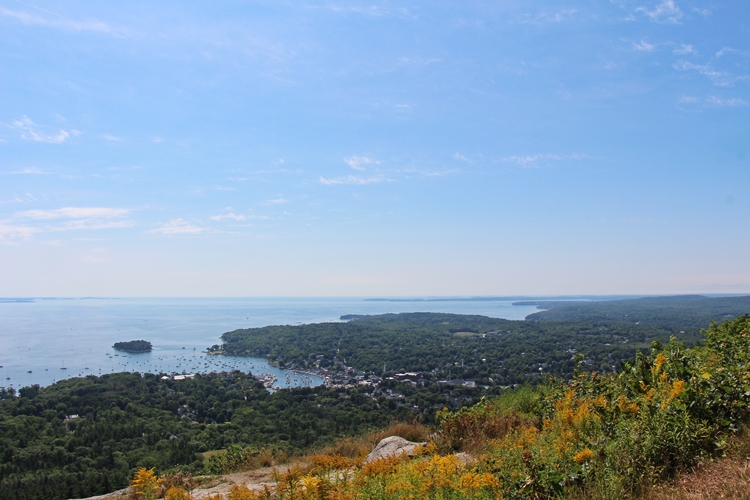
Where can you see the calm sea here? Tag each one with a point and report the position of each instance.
(46, 340)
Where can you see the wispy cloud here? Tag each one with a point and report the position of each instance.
(11, 233)
(31, 131)
(547, 17)
(111, 138)
(643, 46)
(365, 10)
(684, 49)
(460, 157)
(25, 198)
(79, 218)
(686, 99)
(712, 102)
(178, 226)
(228, 216)
(427, 173)
(531, 161)
(720, 78)
(89, 224)
(724, 101)
(417, 61)
(75, 213)
(665, 12)
(350, 179)
(277, 201)
(53, 20)
(233, 216)
(358, 162)
(27, 171)
(730, 50)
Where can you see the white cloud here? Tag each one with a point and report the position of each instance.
(417, 61)
(730, 50)
(28, 170)
(75, 213)
(277, 201)
(665, 12)
(702, 12)
(644, 46)
(357, 162)
(230, 215)
(91, 224)
(30, 131)
(686, 99)
(720, 78)
(459, 156)
(547, 17)
(684, 49)
(427, 173)
(721, 101)
(111, 138)
(11, 233)
(178, 226)
(372, 10)
(350, 179)
(530, 161)
(86, 218)
(234, 216)
(60, 22)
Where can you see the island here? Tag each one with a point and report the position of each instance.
(134, 346)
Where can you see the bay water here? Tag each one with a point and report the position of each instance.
(46, 340)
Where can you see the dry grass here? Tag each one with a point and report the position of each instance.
(411, 432)
(360, 446)
(725, 478)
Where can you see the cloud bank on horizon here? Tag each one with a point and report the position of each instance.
(374, 148)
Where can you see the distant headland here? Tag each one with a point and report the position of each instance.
(134, 346)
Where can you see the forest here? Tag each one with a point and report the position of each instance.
(86, 436)
(492, 352)
(689, 313)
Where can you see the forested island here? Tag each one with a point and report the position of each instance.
(86, 436)
(134, 346)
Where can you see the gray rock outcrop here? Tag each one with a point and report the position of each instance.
(391, 446)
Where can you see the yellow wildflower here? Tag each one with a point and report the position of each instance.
(583, 456)
(658, 363)
(145, 482)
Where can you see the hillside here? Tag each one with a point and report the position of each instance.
(688, 313)
(675, 414)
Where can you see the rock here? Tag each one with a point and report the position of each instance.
(466, 458)
(391, 446)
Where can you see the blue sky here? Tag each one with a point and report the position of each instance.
(374, 148)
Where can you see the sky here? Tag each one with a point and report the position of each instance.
(347, 148)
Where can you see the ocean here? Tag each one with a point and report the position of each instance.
(46, 340)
